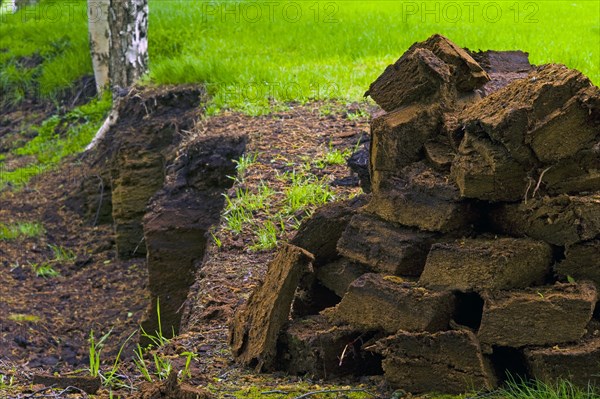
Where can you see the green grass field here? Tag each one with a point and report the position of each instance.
(249, 53)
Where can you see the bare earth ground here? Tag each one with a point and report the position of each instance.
(45, 323)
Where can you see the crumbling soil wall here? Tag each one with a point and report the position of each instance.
(476, 252)
(179, 216)
(160, 183)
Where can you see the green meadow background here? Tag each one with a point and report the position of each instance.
(252, 54)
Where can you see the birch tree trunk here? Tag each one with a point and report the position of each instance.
(128, 21)
(127, 54)
(99, 34)
(8, 6)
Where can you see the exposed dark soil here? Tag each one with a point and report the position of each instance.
(92, 292)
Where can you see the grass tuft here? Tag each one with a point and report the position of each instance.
(20, 230)
(62, 254)
(332, 156)
(44, 270)
(561, 389)
(266, 237)
(305, 190)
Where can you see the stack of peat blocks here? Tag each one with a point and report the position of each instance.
(477, 253)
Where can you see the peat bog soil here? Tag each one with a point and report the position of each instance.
(45, 322)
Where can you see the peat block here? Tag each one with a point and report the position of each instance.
(255, 329)
(337, 276)
(136, 177)
(374, 302)
(137, 149)
(578, 174)
(582, 262)
(569, 130)
(419, 76)
(505, 126)
(535, 111)
(578, 363)
(397, 138)
(178, 220)
(479, 264)
(546, 315)
(424, 198)
(548, 123)
(314, 346)
(428, 71)
(467, 73)
(447, 362)
(320, 233)
(560, 220)
(384, 246)
(486, 171)
(439, 152)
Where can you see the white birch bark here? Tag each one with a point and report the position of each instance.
(8, 7)
(99, 36)
(128, 20)
(127, 55)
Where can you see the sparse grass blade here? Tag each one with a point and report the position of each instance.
(62, 254)
(157, 339)
(332, 156)
(110, 379)
(94, 354)
(140, 363)
(242, 164)
(188, 361)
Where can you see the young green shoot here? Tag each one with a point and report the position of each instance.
(140, 363)
(95, 350)
(216, 240)
(332, 156)
(235, 214)
(306, 191)
(188, 361)
(560, 389)
(360, 114)
(6, 382)
(242, 165)
(110, 379)
(44, 270)
(62, 254)
(157, 339)
(163, 366)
